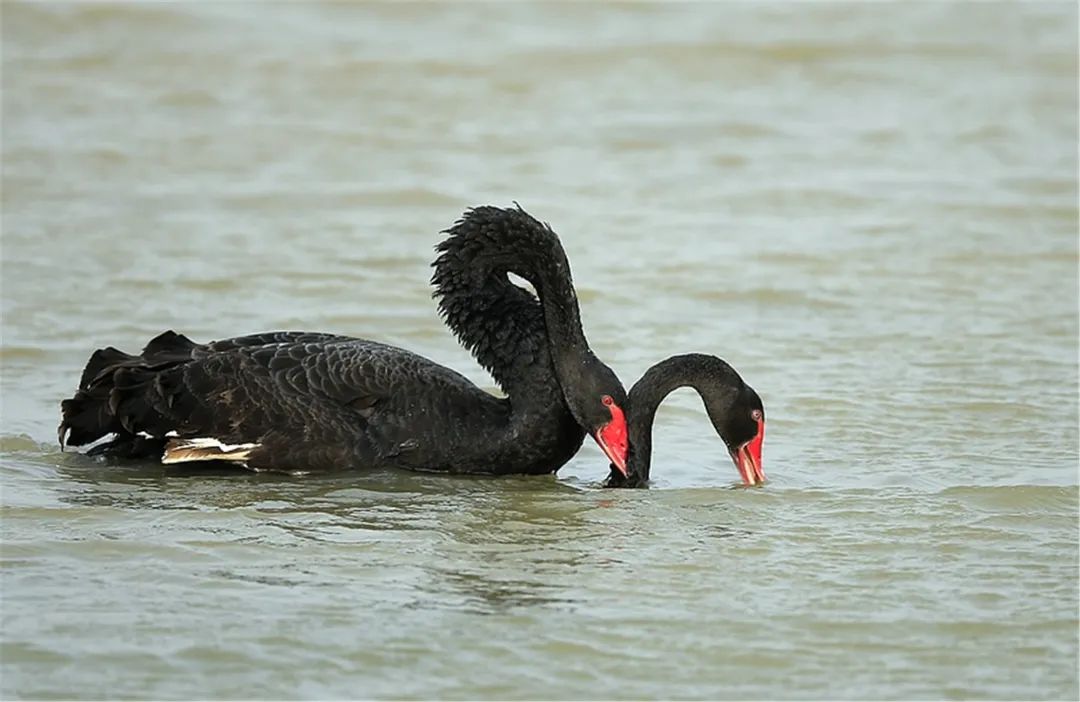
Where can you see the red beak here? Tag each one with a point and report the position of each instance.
(748, 458)
(612, 438)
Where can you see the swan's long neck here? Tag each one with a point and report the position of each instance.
(570, 351)
(713, 379)
(527, 344)
(641, 414)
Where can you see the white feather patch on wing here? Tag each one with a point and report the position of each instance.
(148, 435)
(205, 449)
(98, 442)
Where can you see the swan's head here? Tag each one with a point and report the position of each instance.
(597, 400)
(734, 408)
(742, 427)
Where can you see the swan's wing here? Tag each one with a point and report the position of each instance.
(294, 405)
(170, 348)
(274, 337)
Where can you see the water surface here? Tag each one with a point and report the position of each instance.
(870, 211)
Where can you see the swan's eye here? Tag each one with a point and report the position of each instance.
(606, 399)
(756, 415)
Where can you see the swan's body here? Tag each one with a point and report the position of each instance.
(299, 401)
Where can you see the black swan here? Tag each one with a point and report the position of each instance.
(734, 409)
(300, 402)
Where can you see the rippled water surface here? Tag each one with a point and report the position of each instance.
(869, 210)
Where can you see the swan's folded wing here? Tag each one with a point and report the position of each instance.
(270, 338)
(406, 406)
(308, 402)
(300, 402)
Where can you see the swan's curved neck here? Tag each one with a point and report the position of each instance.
(569, 349)
(713, 379)
(527, 344)
(643, 401)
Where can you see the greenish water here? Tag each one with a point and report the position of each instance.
(869, 210)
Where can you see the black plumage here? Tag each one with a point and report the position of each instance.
(300, 401)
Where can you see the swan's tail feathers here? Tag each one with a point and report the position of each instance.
(127, 446)
(102, 360)
(85, 418)
(169, 347)
(205, 449)
(127, 396)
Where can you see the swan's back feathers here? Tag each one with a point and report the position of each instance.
(275, 401)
